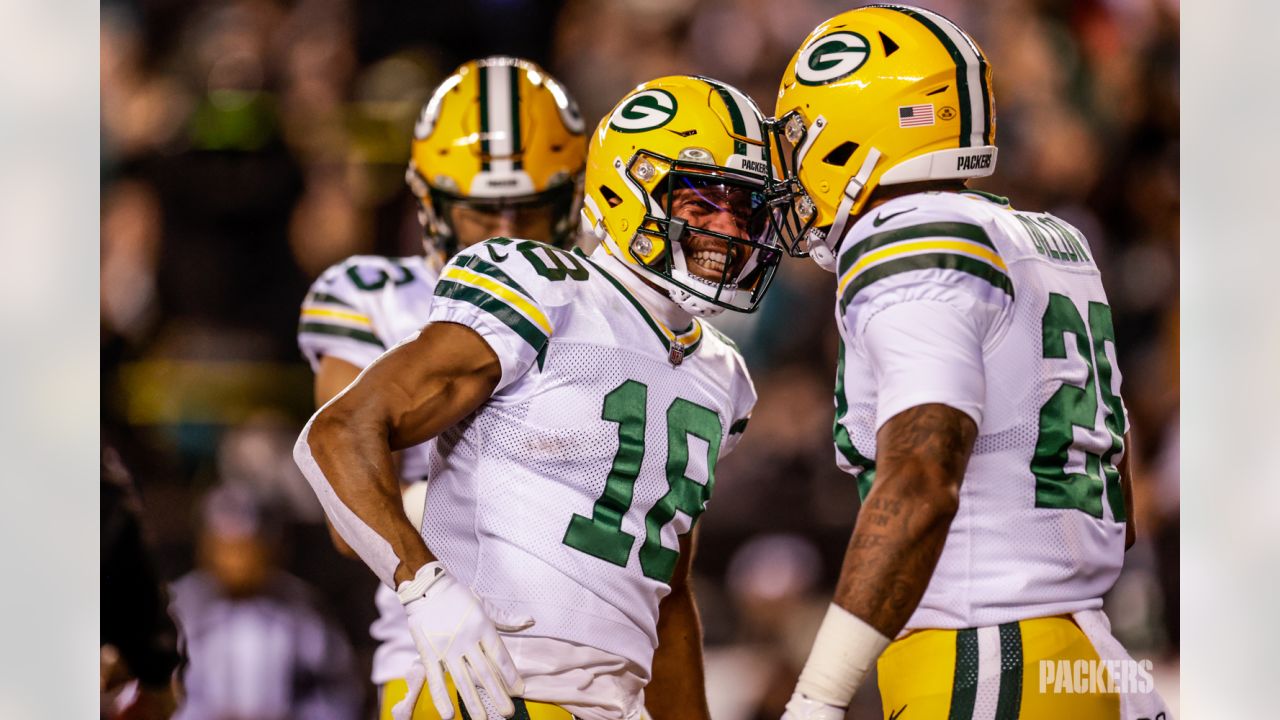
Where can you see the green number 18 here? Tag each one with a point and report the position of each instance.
(601, 535)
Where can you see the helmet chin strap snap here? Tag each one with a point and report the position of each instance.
(675, 229)
(825, 252)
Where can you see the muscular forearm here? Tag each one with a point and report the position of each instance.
(419, 388)
(354, 461)
(678, 688)
(891, 556)
(921, 455)
(921, 458)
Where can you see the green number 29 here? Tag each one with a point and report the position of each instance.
(1072, 406)
(601, 535)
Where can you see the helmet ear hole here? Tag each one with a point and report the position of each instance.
(610, 196)
(841, 154)
(890, 47)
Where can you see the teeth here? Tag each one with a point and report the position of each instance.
(711, 260)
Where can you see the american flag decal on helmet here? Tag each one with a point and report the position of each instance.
(915, 115)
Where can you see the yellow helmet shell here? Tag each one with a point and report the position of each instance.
(696, 122)
(882, 95)
(498, 127)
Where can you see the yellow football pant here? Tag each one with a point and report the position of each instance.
(395, 690)
(991, 673)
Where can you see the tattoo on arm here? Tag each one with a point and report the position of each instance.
(921, 456)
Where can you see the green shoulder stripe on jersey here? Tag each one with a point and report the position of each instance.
(844, 443)
(473, 262)
(964, 687)
(926, 261)
(508, 315)
(322, 297)
(1009, 702)
(316, 328)
(941, 230)
(739, 425)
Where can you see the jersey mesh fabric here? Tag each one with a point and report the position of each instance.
(1005, 558)
(508, 481)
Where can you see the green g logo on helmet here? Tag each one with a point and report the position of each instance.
(831, 58)
(644, 111)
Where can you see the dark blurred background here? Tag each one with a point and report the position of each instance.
(248, 145)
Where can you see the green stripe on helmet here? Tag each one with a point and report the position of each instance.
(517, 162)
(962, 70)
(735, 115)
(484, 117)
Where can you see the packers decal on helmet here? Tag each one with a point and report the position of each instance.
(646, 110)
(832, 57)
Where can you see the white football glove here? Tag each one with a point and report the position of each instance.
(800, 707)
(457, 633)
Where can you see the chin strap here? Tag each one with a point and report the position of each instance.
(824, 253)
(693, 305)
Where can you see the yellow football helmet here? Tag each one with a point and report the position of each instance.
(687, 136)
(499, 135)
(880, 95)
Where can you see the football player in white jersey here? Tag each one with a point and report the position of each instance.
(978, 398)
(579, 406)
(520, 175)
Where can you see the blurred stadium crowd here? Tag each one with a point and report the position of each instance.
(249, 144)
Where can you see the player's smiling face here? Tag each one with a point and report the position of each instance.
(723, 209)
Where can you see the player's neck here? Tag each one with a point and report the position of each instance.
(655, 299)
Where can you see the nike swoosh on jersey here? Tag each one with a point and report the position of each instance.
(882, 219)
(897, 713)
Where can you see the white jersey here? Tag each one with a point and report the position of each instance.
(355, 311)
(564, 496)
(1040, 526)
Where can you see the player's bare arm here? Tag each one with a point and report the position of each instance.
(333, 376)
(406, 397)
(678, 688)
(921, 459)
